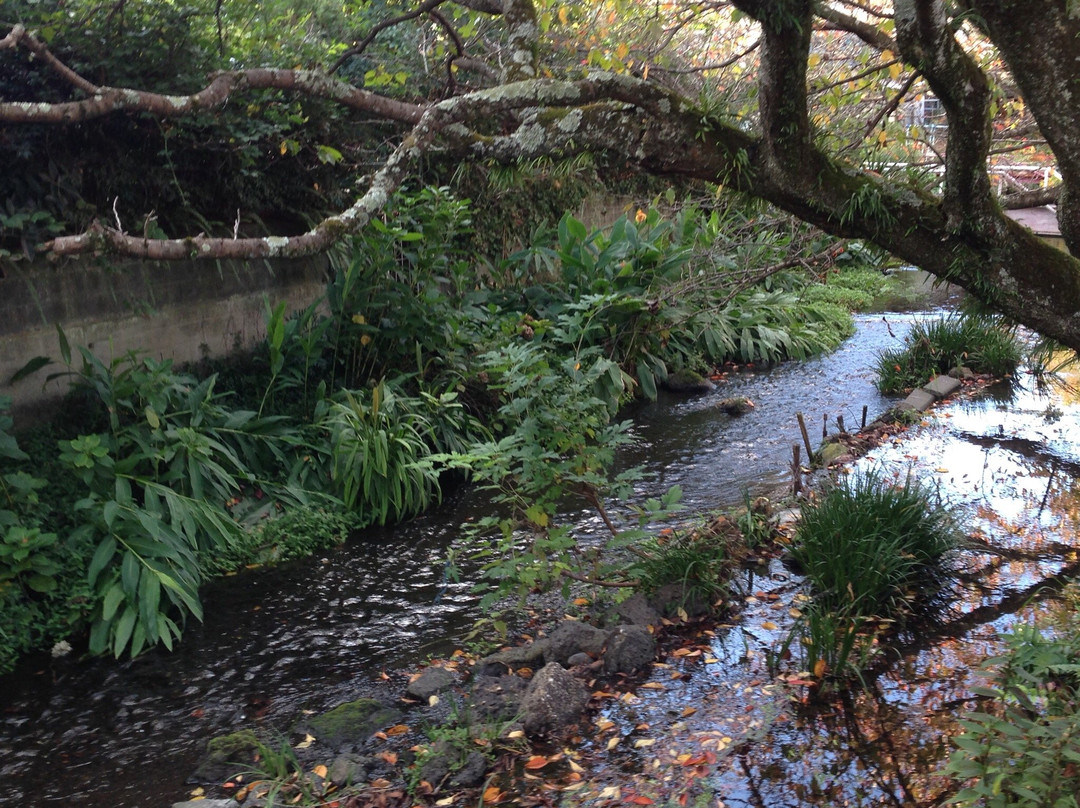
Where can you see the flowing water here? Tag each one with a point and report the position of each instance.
(308, 635)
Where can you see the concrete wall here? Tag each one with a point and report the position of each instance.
(179, 310)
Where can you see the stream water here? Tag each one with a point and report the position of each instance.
(307, 635)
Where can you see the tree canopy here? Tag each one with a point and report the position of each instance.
(901, 123)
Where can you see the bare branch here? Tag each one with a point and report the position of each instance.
(870, 34)
(359, 47)
(19, 36)
(1032, 199)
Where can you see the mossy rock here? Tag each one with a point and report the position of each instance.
(686, 381)
(349, 725)
(226, 755)
(829, 453)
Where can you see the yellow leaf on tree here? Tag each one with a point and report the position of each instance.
(882, 138)
(819, 668)
(622, 51)
(895, 69)
(564, 14)
(813, 60)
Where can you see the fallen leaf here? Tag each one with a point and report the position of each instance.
(389, 757)
(639, 800)
(198, 792)
(641, 743)
(581, 601)
(445, 801)
(769, 625)
(652, 686)
(321, 771)
(380, 783)
(604, 724)
(493, 794)
(819, 668)
(536, 762)
(576, 768)
(517, 733)
(397, 729)
(306, 743)
(613, 742)
(610, 793)
(432, 700)
(688, 711)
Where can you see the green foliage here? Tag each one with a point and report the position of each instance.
(380, 454)
(868, 547)
(980, 342)
(857, 288)
(295, 533)
(1021, 749)
(700, 563)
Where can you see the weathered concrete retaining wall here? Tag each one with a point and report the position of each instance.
(179, 310)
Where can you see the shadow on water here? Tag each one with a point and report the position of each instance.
(308, 635)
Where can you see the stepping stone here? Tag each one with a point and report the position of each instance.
(918, 400)
(942, 386)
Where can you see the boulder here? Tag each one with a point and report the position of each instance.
(430, 682)
(508, 659)
(636, 611)
(686, 381)
(669, 598)
(496, 698)
(554, 700)
(629, 649)
(573, 637)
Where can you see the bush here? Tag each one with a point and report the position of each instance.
(980, 342)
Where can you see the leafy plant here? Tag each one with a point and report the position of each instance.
(1022, 747)
(380, 454)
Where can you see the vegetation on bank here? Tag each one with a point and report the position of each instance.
(428, 361)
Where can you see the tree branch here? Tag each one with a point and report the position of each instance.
(359, 47)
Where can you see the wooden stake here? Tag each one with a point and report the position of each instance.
(796, 470)
(805, 436)
(863, 418)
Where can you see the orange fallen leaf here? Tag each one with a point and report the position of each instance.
(493, 794)
(397, 729)
(389, 757)
(652, 686)
(320, 770)
(688, 711)
(536, 762)
(640, 801)
(380, 783)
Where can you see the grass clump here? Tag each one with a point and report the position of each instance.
(867, 547)
(983, 343)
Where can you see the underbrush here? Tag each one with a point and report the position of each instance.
(982, 343)
(871, 549)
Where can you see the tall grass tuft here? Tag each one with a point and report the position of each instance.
(868, 548)
(981, 342)
(866, 542)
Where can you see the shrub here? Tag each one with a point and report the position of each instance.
(981, 342)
